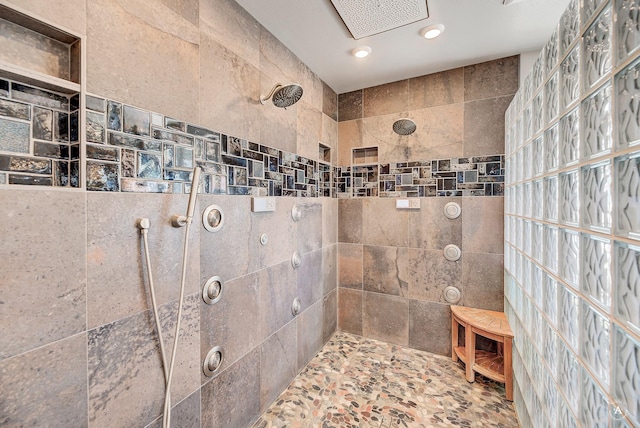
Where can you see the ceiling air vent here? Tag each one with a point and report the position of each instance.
(368, 17)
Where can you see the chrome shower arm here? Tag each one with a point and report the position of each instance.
(265, 98)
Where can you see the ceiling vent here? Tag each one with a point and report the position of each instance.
(368, 17)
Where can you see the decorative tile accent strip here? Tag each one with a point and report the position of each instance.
(38, 136)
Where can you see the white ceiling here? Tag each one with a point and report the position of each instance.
(475, 31)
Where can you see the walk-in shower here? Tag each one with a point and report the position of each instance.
(177, 220)
(283, 95)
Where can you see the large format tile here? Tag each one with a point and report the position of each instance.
(427, 273)
(226, 22)
(484, 126)
(350, 105)
(386, 318)
(233, 399)
(350, 310)
(483, 281)
(63, 13)
(232, 322)
(386, 99)
(350, 220)
(483, 224)
(430, 229)
(185, 414)
(230, 90)
(383, 223)
(329, 102)
(47, 386)
(329, 269)
(309, 279)
(436, 89)
(430, 327)
(329, 138)
(329, 315)
(492, 79)
(282, 232)
(276, 292)
(350, 136)
(310, 333)
(142, 44)
(380, 271)
(309, 227)
(115, 252)
(42, 260)
(329, 221)
(350, 265)
(126, 380)
(309, 130)
(278, 363)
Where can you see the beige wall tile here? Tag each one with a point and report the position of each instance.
(329, 102)
(43, 268)
(350, 310)
(114, 252)
(329, 137)
(71, 14)
(484, 126)
(329, 221)
(329, 269)
(233, 398)
(385, 99)
(329, 315)
(430, 229)
(350, 106)
(386, 318)
(278, 126)
(430, 327)
(188, 9)
(312, 88)
(126, 44)
(230, 90)
(58, 399)
(428, 273)
(350, 265)
(483, 281)
(436, 89)
(383, 223)
(309, 227)
(227, 23)
(277, 62)
(380, 271)
(350, 220)
(309, 126)
(309, 279)
(483, 224)
(350, 135)
(492, 79)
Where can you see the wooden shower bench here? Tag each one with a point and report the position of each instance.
(492, 325)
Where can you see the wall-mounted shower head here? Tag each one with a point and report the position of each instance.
(283, 95)
(404, 126)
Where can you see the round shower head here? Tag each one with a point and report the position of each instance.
(404, 127)
(284, 95)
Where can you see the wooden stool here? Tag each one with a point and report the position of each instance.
(492, 325)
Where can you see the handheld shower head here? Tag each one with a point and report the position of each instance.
(178, 220)
(283, 95)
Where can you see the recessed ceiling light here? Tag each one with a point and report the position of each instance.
(432, 31)
(361, 52)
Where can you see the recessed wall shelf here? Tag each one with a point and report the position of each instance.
(365, 155)
(324, 153)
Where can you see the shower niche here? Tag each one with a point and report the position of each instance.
(40, 99)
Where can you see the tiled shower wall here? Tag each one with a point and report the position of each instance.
(572, 224)
(392, 272)
(74, 289)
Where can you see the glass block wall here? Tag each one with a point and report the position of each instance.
(572, 222)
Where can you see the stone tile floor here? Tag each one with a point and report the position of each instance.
(359, 382)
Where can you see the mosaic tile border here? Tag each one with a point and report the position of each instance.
(38, 136)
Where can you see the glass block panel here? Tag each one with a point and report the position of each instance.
(551, 52)
(551, 248)
(527, 199)
(519, 233)
(569, 197)
(570, 137)
(550, 397)
(569, 375)
(536, 199)
(519, 166)
(536, 284)
(537, 120)
(627, 284)
(526, 124)
(627, 27)
(550, 348)
(537, 72)
(569, 25)
(628, 105)
(570, 78)
(565, 417)
(550, 304)
(527, 164)
(589, 8)
(519, 206)
(627, 178)
(596, 196)
(568, 317)
(536, 241)
(596, 123)
(596, 49)
(526, 238)
(594, 406)
(551, 148)
(596, 269)
(595, 342)
(551, 102)
(569, 257)
(626, 374)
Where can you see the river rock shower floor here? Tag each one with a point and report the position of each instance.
(358, 382)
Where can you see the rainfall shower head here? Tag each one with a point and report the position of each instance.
(404, 127)
(283, 96)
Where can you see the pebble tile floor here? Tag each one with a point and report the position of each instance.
(359, 382)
